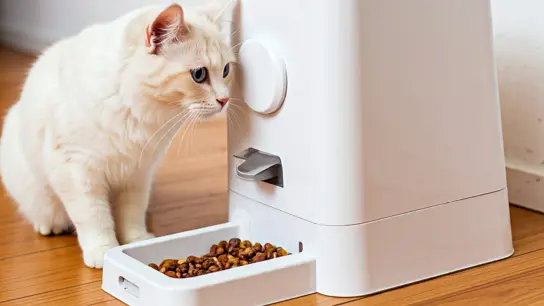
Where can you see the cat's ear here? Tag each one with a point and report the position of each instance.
(215, 9)
(167, 28)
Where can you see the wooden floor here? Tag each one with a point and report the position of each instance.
(190, 192)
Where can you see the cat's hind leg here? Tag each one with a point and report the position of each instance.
(52, 220)
(55, 220)
(35, 200)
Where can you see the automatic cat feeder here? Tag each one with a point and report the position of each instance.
(371, 150)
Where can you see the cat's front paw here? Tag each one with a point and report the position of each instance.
(136, 237)
(94, 257)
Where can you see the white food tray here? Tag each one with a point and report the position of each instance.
(127, 277)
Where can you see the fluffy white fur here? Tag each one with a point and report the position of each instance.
(98, 112)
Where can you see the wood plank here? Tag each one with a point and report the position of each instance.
(486, 275)
(525, 289)
(17, 237)
(527, 230)
(89, 294)
(42, 272)
(316, 299)
(109, 303)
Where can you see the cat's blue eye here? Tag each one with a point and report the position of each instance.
(199, 75)
(226, 70)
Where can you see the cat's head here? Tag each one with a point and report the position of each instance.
(188, 60)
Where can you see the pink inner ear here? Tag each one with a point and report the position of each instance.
(148, 36)
(171, 19)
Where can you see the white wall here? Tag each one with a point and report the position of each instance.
(34, 24)
(519, 45)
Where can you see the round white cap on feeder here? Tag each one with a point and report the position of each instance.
(264, 77)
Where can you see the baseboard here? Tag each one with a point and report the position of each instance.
(525, 184)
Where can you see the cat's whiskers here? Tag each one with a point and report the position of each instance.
(169, 130)
(242, 109)
(190, 120)
(238, 108)
(234, 111)
(237, 99)
(155, 133)
(233, 33)
(190, 130)
(195, 125)
(223, 10)
(235, 46)
(228, 122)
(182, 113)
(235, 116)
(230, 125)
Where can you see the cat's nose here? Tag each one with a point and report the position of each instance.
(223, 101)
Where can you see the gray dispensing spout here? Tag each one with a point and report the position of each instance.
(259, 166)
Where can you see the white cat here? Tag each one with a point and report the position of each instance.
(99, 110)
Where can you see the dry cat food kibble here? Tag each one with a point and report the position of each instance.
(222, 256)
